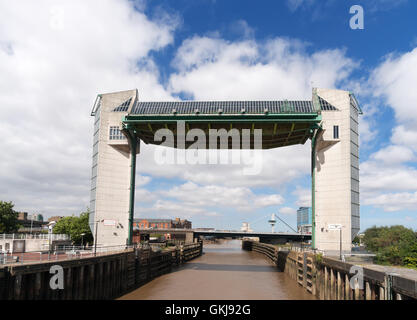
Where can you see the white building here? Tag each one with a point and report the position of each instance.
(246, 227)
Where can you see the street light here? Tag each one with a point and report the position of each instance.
(95, 237)
(337, 227)
(82, 239)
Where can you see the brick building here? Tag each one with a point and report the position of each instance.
(146, 223)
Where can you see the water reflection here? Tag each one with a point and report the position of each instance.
(224, 271)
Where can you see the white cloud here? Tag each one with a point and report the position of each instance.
(57, 55)
(391, 202)
(404, 136)
(394, 154)
(394, 81)
(303, 196)
(287, 211)
(239, 198)
(274, 161)
(389, 177)
(293, 5)
(276, 69)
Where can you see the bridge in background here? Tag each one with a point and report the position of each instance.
(278, 237)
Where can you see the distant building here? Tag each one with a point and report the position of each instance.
(55, 218)
(22, 216)
(30, 223)
(35, 217)
(146, 223)
(304, 220)
(246, 227)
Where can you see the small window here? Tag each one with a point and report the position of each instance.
(335, 132)
(116, 134)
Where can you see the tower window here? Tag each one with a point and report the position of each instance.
(116, 134)
(335, 132)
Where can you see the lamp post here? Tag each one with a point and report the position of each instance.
(340, 243)
(82, 240)
(95, 240)
(95, 236)
(337, 227)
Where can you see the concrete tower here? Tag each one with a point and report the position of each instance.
(336, 172)
(110, 178)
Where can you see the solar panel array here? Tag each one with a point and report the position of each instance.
(124, 106)
(324, 105)
(227, 107)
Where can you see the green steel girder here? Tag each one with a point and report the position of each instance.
(282, 117)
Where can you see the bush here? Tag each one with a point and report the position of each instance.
(394, 245)
(410, 262)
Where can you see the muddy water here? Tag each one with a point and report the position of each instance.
(224, 271)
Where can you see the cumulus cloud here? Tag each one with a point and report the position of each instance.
(389, 176)
(303, 196)
(287, 211)
(276, 161)
(57, 56)
(391, 202)
(211, 200)
(275, 69)
(394, 81)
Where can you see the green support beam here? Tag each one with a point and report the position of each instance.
(316, 131)
(132, 138)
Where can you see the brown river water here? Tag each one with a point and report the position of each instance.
(224, 271)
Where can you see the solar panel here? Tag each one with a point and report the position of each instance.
(226, 107)
(123, 107)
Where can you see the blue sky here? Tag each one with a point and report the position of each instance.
(62, 54)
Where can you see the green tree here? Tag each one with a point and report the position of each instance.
(8, 218)
(394, 245)
(356, 241)
(75, 227)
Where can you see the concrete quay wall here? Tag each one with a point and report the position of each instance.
(331, 279)
(93, 278)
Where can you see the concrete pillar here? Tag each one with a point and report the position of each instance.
(339, 287)
(80, 290)
(332, 285)
(18, 286)
(99, 281)
(356, 290)
(398, 296)
(326, 280)
(87, 284)
(91, 283)
(320, 281)
(347, 288)
(30, 286)
(107, 280)
(38, 286)
(381, 293)
(368, 294)
(68, 284)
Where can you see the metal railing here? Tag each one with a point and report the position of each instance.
(42, 236)
(60, 254)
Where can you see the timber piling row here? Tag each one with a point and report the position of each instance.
(331, 279)
(103, 277)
